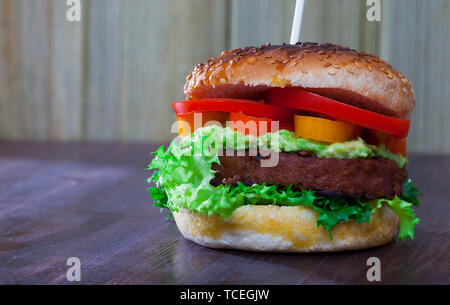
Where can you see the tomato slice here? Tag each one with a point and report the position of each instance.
(247, 124)
(295, 98)
(187, 123)
(396, 145)
(325, 130)
(248, 107)
(375, 137)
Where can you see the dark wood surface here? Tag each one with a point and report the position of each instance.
(90, 201)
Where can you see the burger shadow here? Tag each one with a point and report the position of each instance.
(195, 264)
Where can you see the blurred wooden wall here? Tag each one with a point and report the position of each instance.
(112, 76)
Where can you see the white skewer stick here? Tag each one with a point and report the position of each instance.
(297, 24)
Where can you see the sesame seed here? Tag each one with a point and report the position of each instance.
(332, 72)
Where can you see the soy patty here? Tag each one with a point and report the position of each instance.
(356, 178)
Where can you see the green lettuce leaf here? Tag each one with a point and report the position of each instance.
(336, 210)
(410, 192)
(183, 173)
(331, 210)
(405, 213)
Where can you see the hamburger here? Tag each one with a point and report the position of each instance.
(290, 148)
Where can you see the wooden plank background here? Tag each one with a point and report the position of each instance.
(112, 76)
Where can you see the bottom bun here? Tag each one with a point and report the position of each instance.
(272, 228)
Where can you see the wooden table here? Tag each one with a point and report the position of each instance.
(90, 201)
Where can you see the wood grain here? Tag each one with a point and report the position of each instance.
(91, 201)
(40, 71)
(112, 76)
(257, 22)
(417, 46)
(333, 21)
(139, 54)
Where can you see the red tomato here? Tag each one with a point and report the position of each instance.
(247, 124)
(397, 145)
(248, 107)
(295, 98)
(375, 137)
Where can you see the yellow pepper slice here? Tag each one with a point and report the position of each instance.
(325, 130)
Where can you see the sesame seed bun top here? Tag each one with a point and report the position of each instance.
(352, 77)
